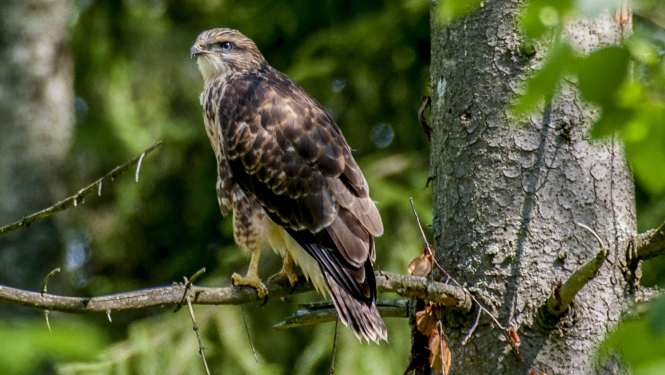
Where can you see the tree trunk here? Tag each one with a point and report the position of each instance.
(508, 193)
(36, 108)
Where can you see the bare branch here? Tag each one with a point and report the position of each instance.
(563, 293)
(324, 312)
(74, 200)
(406, 286)
(421, 288)
(651, 243)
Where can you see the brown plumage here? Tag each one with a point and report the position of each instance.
(287, 172)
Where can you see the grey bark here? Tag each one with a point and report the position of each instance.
(36, 112)
(508, 192)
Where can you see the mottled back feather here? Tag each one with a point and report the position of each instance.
(282, 148)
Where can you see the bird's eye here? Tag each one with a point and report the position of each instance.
(221, 47)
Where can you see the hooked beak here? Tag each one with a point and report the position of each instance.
(196, 50)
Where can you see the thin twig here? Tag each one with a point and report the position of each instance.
(188, 286)
(422, 232)
(47, 322)
(466, 291)
(76, 198)
(595, 234)
(334, 348)
(138, 166)
(473, 327)
(249, 337)
(47, 278)
(198, 334)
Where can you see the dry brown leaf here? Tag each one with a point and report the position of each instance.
(514, 337)
(440, 357)
(535, 371)
(427, 318)
(421, 266)
(515, 342)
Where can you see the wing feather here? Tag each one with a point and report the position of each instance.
(286, 151)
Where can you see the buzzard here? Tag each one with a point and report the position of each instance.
(286, 171)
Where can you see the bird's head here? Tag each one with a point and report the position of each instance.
(221, 51)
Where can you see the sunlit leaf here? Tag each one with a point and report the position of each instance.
(543, 83)
(611, 120)
(637, 343)
(645, 137)
(542, 15)
(643, 51)
(592, 8)
(450, 10)
(601, 74)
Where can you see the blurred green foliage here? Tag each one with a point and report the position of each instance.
(640, 340)
(365, 61)
(29, 346)
(627, 84)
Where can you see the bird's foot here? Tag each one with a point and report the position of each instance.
(254, 282)
(284, 274)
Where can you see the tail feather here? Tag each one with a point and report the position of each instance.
(361, 316)
(353, 290)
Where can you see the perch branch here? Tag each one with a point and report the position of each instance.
(405, 286)
(324, 312)
(421, 288)
(74, 200)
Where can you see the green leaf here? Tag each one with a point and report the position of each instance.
(612, 120)
(640, 342)
(543, 83)
(542, 15)
(450, 10)
(644, 137)
(601, 74)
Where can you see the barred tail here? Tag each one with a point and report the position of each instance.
(362, 316)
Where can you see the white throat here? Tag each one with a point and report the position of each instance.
(211, 68)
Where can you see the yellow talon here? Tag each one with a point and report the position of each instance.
(252, 281)
(286, 272)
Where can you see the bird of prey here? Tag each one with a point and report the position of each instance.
(286, 171)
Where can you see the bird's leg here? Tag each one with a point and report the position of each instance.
(286, 271)
(252, 278)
